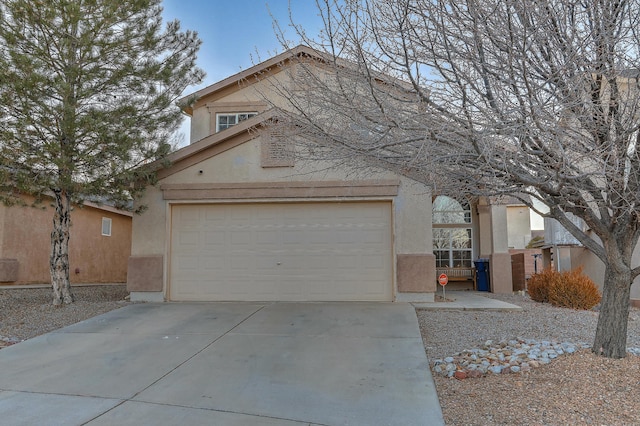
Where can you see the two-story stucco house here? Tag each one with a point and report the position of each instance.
(237, 216)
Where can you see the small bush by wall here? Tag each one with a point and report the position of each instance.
(569, 289)
(539, 284)
(574, 290)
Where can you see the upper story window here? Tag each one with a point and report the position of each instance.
(226, 120)
(447, 210)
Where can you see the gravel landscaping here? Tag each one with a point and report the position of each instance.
(575, 388)
(26, 313)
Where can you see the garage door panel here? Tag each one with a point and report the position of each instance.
(375, 236)
(318, 236)
(268, 237)
(189, 238)
(240, 237)
(188, 263)
(372, 260)
(188, 217)
(289, 251)
(214, 240)
(210, 265)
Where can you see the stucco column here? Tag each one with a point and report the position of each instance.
(500, 259)
(145, 272)
(415, 262)
(485, 244)
(493, 244)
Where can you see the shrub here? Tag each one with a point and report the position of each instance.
(539, 284)
(574, 290)
(569, 289)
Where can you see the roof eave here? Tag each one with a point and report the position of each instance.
(186, 102)
(213, 140)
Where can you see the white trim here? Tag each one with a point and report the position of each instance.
(236, 115)
(106, 226)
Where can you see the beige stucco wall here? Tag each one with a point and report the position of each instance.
(594, 267)
(413, 218)
(500, 259)
(518, 226)
(148, 236)
(499, 233)
(485, 240)
(96, 258)
(591, 264)
(241, 164)
(571, 257)
(200, 125)
(251, 91)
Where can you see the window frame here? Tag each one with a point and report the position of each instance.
(239, 117)
(109, 222)
(443, 220)
(449, 213)
(451, 250)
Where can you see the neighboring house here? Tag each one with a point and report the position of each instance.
(564, 252)
(518, 225)
(519, 236)
(237, 216)
(99, 245)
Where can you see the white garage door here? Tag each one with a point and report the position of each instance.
(288, 252)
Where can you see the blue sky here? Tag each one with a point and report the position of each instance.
(236, 34)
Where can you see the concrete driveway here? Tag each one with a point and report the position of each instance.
(225, 364)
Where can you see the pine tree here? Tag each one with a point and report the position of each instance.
(87, 96)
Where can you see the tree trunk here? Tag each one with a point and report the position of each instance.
(59, 260)
(611, 332)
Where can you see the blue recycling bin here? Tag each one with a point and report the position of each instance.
(483, 281)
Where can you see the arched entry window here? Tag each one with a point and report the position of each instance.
(452, 242)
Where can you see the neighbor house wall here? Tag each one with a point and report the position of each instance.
(93, 258)
(594, 268)
(518, 226)
(572, 257)
(530, 264)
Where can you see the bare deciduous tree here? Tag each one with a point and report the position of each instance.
(538, 99)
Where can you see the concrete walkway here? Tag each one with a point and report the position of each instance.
(469, 301)
(225, 364)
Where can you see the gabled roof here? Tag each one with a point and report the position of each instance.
(206, 147)
(240, 133)
(187, 102)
